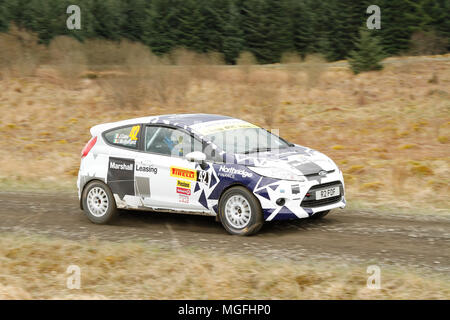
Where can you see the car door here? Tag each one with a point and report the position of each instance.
(164, 178)
(123, 146)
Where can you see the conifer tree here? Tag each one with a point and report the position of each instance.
(133, 23)
(232, 37)
(302, 27)
(161, 26)
(368, 53)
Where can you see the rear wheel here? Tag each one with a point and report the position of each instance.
(320, 215)
(240, 212)
(98, 203)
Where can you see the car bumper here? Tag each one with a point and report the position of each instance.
(299, 197)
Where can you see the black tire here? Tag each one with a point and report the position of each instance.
(111, 211)
(256, 218)
(320, 215)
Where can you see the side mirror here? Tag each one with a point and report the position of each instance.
(196, 156)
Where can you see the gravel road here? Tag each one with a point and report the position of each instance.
(348, 236)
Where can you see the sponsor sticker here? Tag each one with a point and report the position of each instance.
(118, 164)
(225, 171)
(146, 168)
(183, 184)
(206, 128)
(183, 173)
(183, 199)
(120, 177)
(184, 191)
(123, 139)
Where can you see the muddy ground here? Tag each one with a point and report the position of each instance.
(413, 240)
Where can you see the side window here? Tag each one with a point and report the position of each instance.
(125, 137)
(169, 141)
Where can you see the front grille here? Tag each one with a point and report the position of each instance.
(316, 174)
(311, 202)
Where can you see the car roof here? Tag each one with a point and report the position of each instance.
(188, 119)
(181, 119)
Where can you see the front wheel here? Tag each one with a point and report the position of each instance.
(240, 212)
(98, 203)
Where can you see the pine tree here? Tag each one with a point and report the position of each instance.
(161, 26)
(191, 25)
(47, 18)
(267, 29)
(232, 37)
(397, 25)
(368, 53)
(302, 27)
(256, 29)
(279, 38)
(322, 27)
(4, 17)
(347, 17)
(108, 18)
(133, 23)
(213, 17)
(438, 12)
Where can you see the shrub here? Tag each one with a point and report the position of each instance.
(19, 52)
(427, 43)
(68, 58)
(367, 55)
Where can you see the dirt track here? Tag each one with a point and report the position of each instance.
(418, 241)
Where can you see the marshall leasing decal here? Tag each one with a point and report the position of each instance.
(121, 176)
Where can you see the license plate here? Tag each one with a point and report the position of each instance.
(327, 193)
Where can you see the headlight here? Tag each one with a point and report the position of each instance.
(277, 173)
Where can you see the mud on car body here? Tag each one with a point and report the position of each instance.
(205, 164)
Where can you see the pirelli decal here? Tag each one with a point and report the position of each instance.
(183, 173)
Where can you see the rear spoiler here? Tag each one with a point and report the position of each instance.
(100, 128)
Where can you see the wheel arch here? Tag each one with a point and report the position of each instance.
(232, 185)
(86, 183)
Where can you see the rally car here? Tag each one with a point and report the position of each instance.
(204, 164)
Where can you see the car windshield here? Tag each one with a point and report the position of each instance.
(247, 140)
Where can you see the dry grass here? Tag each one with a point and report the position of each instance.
(68, 59)
(394, 123)
(35, 268)
(20, 53)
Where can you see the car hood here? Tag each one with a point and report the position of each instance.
(298, 159)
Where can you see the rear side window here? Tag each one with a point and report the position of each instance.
(125, 137)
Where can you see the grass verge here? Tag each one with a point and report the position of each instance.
(34, 267)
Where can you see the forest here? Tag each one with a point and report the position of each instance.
(265, 28)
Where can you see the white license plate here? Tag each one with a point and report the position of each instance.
(327, 193)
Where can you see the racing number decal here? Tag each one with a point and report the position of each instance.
(134, 132)
(202, 176)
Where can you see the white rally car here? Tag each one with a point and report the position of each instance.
(204, 164)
